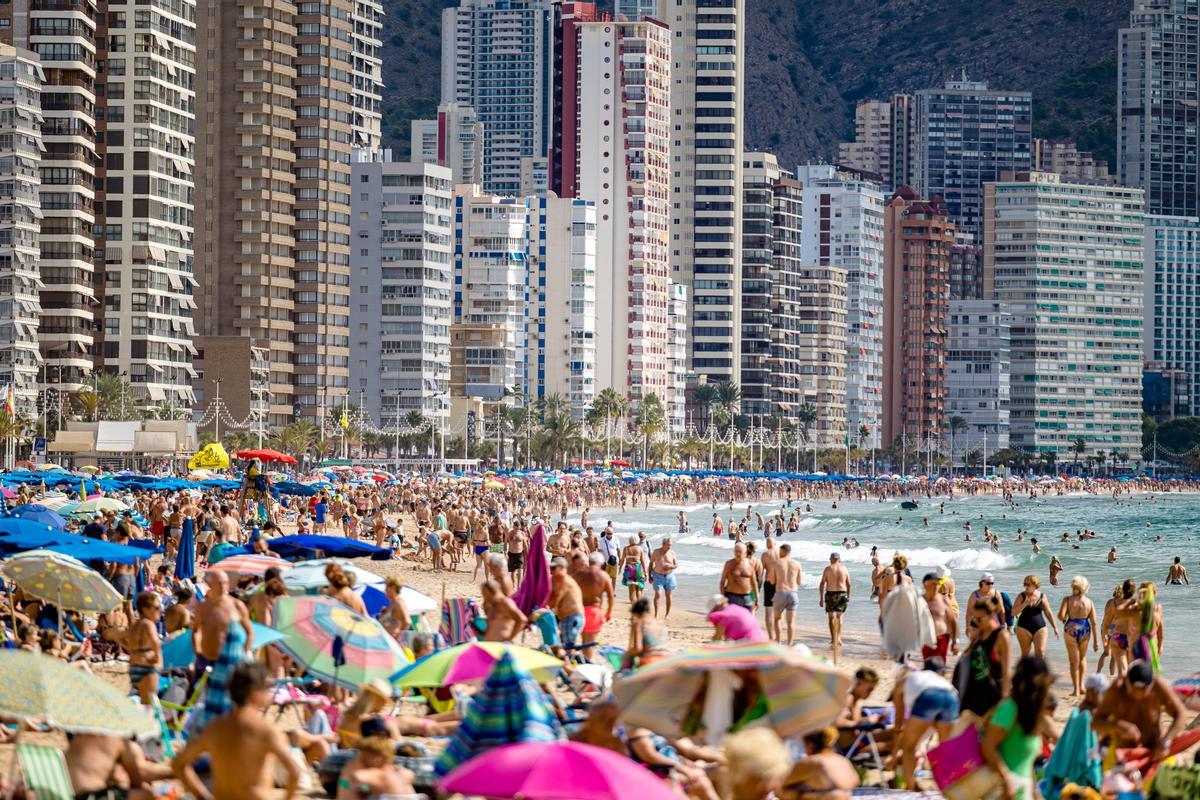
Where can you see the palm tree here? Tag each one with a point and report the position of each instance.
(649, 420)
(116, 397)
(806, 417)
(296, 438)
(1117, 457)
(88, 404)
(559, 433)
(704, 395)
(14, 429)
(729, 395)
(605, 408)
(955, 424)
(1078, 447)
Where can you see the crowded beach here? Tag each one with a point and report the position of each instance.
(351, 632)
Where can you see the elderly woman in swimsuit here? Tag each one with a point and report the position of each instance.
(1032, 610)
(1078, 615)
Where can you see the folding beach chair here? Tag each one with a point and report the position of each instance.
(45, 771)
(864, 750)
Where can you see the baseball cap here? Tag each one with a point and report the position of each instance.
(1140, 674)
(987, 577)
(929, 576)
(836, 554)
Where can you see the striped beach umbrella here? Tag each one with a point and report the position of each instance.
(251, 564)
(1188, 690)
(62, 580)
(472, 662)
(334, 643)
(801, 694)
(510, 708)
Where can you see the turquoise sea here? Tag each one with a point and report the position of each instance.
(1129, 523)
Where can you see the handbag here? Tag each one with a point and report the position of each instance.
(959, 768)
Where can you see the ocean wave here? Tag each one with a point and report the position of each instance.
(810, 551)
(699, 569)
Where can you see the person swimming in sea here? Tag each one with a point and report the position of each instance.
(1177, 574)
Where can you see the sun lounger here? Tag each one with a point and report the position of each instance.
(45, 772)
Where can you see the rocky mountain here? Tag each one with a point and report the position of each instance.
(809, 61)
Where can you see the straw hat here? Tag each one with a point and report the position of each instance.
(377, 687)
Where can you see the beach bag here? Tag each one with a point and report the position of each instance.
(959, 769)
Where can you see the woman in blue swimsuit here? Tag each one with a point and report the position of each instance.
(1078, 615)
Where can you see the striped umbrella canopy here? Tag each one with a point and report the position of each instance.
(62, 580)
(472, 661)
(312, 626)
(251, 564)
(1188, 690)
(802, 694)
(44, 690)
(510, 708)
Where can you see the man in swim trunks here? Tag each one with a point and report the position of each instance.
(768, 559)
(517, 541)
(738, 581)
(480, 543)
(834, 595)
(663, 564)
(595, 585)
(786, 575)
(1177, 574)
(566, 600)
(945, 621)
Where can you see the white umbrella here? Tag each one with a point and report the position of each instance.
(310, 575)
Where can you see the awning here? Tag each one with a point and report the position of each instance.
(157, 253)
(116, 437)
(157, 393)
(156, 443)
(192, 281)
(176, 347)
(175, 281)
(73, 442)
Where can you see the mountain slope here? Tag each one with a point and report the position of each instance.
(808, 62)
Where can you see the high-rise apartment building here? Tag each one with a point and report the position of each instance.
(978, 376)
(276, 81)
(843, 227)
(760, 174)
(400, 287)
(1158, 105)
(1172, 304)
(918, 241)
(498, 58)
(871, 150)
(64, 36)
(561, 325)
(614, 137)
(676, 401)
(965, 135)
(707, 103)
(1063, 157)
(1066, 261)
(454, 139)
(367, 20)
(20, 224)
(144, 199)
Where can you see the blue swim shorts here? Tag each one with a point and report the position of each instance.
(665, 582)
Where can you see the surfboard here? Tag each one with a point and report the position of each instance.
(907, 623)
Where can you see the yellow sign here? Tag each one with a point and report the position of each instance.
(212, 456)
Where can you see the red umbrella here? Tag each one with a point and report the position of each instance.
(266, 455)
(618, 462)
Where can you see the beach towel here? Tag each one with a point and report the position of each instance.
(185, 555)
(458, 618)
(216, 701)
(1075, 758)
(534, 590)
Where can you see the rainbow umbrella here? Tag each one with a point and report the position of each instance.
(251, 564)
(471, 662)
(555, 771)
(801, 693)
(334, 643)
(1188, 690)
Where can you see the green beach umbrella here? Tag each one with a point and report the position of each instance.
(43, 690)
(471, 662)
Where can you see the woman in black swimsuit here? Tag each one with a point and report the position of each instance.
(1032, 610)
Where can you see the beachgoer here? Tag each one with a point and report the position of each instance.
(95, 764)
(516, 543)
(633, 573)
(982, 674)
(833, 595)
(395, 618)
(340, 589)
(767, 561)
(759, 763)
(647, 638)
(566, 601)
(1177, 574)
(663, 564)
(595, 585)
(823, 774)
(733, 623)
(923, 700)
(738, 582)
(1012, 740)
(1130, 712)
(945, 621)
(504, 619)
(145, 648)
(987, 590)
(373, 772)
(1032, 610)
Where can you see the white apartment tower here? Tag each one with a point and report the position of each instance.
(616, 151)
(978, 375)
(401, 276)
(843, 227)
(454, 139)
(367, 93)
(1172, 298)
(498, 58)
(148, 199)
(20, 224)
(707, 103)
(1066, 261)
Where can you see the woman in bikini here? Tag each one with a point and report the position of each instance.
(1078, 615)
(1032, 610)
(633, 575)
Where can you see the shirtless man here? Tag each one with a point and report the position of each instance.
(516, 543)
(179, 615)
(566, 600)
(834, 596)
(231, 531)
(174, 529)
(663, 564)
(92, 762)
(158, 519)
(243, 746)
(786, 575)
(1131, 711)
(767, 560)
(738, 582)
(1177, 574)
(213, 616)
(144, 647)
(595, 585)
(945, 621)
(460, 529)
(504, 619)
(560, 541)
(495, 570)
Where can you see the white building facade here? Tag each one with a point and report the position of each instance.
(978, 364)
(454, 139)
(1172, 298)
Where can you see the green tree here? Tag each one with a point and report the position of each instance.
(1079, 446)
(704, 396)
(955, 424)
(608, 406)
(650, 419)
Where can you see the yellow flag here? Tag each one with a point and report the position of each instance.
(344, 421)
(82, 491)
(212, 456)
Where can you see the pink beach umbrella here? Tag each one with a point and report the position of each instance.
(555, 771)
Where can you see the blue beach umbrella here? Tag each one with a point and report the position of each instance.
(38, 513)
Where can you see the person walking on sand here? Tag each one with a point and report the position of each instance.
(945, 621)
(834, 596)
(768, 559)
(633, 572)
(1032, 610)
(738, 582)
(243, 746)
(786, 577)
(663, 564)
(1078, 615)
(595, 585)
(517, 542)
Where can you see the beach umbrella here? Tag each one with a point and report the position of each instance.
(51, 468)
(266, 455)
(309, 576)
(510, 708)
(185, 553)
(375, 599)
(38, 513)
(471, 662)
(179, 652)
(555, 771)
(42, 690)
(493, 485)
(98, 505)
(314, 627)
(57, 502)
(251, 564)
(1188, 690)
(802, 694)
(62, 580)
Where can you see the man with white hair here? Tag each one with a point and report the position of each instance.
(497, 569)
(663, 564)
